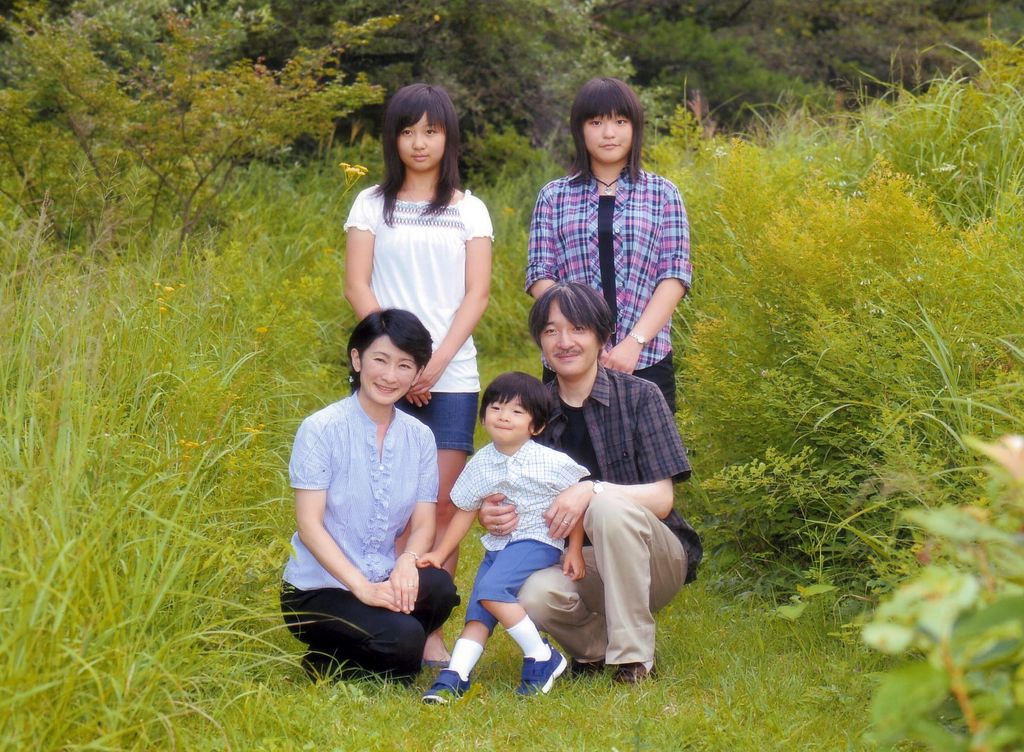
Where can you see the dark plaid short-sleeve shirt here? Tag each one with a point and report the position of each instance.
(634, 435)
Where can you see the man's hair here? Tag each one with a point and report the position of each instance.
(407, 106)
(528, 390)
(405, 331)
(579, 303)
(606, 97)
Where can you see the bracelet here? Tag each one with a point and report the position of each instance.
(415, 556)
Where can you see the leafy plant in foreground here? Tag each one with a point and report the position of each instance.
(964, 614)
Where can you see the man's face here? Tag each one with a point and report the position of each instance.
(570, 350)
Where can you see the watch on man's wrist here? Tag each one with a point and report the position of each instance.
(598, 486)
(639, 338)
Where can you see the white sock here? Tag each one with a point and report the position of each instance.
(528, 638)
(465, 654)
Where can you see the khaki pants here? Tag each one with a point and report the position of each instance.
(634, 567)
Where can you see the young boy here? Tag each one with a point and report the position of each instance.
(514, 408)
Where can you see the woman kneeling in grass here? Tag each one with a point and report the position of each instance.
(515, 407)
(364, 473)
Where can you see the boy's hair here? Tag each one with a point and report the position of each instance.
(606, 97)
(407, 106)
(528, 390)
(579, 303)
(404, 329)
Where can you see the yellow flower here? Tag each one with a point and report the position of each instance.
(509, 211)
(163, 309)
(328, 251)
(168, 289)
(261, 330)
(353, 172)
(437, 18)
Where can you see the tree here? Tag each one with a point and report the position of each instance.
(93, 139)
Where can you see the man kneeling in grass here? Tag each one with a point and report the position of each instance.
(639, 552)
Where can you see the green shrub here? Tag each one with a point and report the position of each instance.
(963, 614)
(835, 348)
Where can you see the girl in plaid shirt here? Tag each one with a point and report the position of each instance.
(609, 205)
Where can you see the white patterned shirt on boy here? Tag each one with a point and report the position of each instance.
(531, 479)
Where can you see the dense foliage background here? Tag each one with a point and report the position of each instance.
(170, 213)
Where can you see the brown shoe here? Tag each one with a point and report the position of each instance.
(632, 673)
(588, 668)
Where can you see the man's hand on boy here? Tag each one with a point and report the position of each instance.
(498, 517)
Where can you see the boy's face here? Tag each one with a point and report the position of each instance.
(509, 425)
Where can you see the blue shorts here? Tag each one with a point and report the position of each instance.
(450, 415)
(502, 573)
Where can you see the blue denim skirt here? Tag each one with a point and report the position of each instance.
(450, 415)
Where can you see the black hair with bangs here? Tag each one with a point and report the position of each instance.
(528, 390)
(406, 107)
(403, 328)
(606, 97)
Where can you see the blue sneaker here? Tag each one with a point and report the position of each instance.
(449, 686)
(538, 676)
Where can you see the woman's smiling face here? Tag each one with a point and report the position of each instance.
(385, 372)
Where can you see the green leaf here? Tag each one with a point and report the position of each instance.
(888, 638)
(1002, 652)
(792, 611)
(813, 590)
(1006, 609)
(907, 695)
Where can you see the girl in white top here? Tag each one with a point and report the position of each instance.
(419, 243)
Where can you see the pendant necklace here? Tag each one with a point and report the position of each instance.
(609, 188)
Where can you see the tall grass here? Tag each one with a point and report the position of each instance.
(146, 419)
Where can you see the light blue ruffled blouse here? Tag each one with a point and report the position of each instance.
(370, 496)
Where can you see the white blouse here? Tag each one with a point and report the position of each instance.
(419, 264)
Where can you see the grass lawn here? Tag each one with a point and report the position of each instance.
(732, 676)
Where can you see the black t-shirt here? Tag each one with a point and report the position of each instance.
(576, 440)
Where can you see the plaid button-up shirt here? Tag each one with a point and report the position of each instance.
(635, 440)
(634, 436)
(651, 243)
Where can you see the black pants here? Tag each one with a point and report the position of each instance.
(662, 374)
(349, 639)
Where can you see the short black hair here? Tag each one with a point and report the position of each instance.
(406, 107)
(404, 329)
(606, 97)
(579, 303)
(528, 390)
